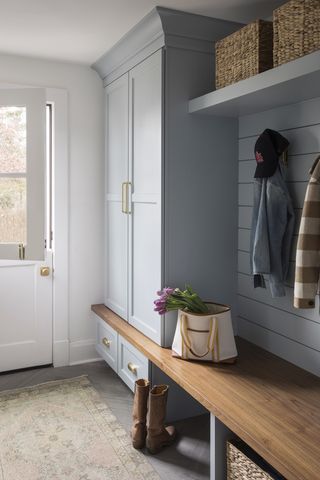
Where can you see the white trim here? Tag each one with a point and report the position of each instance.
(60, 353)
(60, 225)
(83, 351)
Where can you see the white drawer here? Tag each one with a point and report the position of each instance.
(131, 363)
(107, 343)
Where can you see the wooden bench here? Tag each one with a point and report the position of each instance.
(269, 403)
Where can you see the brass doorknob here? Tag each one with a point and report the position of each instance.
(44, 271)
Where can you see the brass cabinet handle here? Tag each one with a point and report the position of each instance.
(124, 198)
(128, 196)
(106, 342)
(133, 368)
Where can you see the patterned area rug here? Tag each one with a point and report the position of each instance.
(62, 430)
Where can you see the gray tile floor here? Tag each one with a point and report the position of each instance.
(187, 459)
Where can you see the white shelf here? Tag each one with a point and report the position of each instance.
(289, 83)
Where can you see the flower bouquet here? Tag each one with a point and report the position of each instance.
(204, 329)
(175, 299)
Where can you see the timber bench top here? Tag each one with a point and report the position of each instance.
(271, 404)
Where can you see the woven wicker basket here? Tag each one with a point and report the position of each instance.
(244, 53)
(296, 30)
(248, 465)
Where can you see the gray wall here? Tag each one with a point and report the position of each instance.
(273, 323)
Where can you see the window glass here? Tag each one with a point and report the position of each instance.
(13, 211)
(13, 140)
(13, 166)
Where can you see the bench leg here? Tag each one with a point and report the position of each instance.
(219, 434)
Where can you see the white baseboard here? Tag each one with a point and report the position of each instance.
(83, 351)
(60, 353)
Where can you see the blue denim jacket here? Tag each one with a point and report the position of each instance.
(271, 231)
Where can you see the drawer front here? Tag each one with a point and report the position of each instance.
(131, 363)
(107, 343)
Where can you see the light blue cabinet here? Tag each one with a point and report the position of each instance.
(171, 178)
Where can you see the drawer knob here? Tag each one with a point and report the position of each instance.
(133, 368)
(106, 342)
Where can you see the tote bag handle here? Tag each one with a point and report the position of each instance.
(212, 337)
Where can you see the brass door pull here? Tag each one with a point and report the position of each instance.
(106, 342)
(22, 251)
(133, 368)
(44, 271)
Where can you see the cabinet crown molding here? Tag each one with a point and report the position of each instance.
(159, 28)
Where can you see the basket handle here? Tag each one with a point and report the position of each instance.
(212, 336)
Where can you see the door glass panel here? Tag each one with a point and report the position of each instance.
(13, 210)
(22, 173)
(13, 139)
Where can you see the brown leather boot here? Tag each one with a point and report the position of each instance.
(158, 435)
(139, 413)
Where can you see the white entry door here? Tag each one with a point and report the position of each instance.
(25, 262)
(25, 314)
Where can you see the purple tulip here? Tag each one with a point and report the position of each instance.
(175, 299)
(161, 303)
(168, 291)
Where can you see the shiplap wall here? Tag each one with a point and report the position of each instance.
(273, 323)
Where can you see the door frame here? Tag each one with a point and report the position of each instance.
(60, 225)
(60, 220)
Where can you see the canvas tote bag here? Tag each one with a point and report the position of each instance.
(206, 337)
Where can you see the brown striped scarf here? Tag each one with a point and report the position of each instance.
(308, 249)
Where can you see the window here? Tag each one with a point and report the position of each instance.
(22, 173)
(13, 171)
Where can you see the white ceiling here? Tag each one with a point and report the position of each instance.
(82, 30)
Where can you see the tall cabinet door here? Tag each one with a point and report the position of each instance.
(116, 222)
(145, 159)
